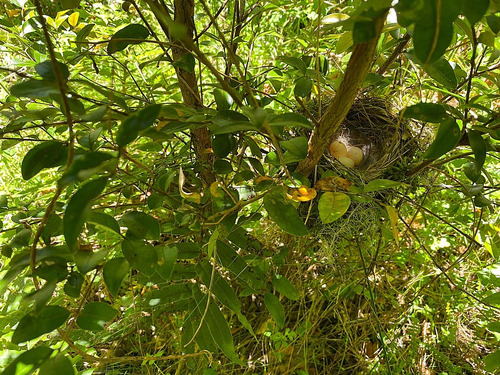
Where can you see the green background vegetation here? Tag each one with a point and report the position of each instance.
(168, 204)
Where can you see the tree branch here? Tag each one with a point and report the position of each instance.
(359, 64)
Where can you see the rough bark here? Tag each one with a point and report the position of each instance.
(359, 64)
(200, 138)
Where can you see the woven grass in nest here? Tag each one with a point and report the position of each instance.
(372, 125)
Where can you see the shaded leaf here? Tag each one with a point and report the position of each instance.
(141, 225)
(167, 257)
(35, 89)
(37, 323)
(332, 206)
(434, 29)
(133, 125)
(428, 112)
(46, 71)
(94, 315)
(88, 260)
(217, 326)
(285, 287)
(137, 33)
(59, 365)
(284, 213)
(87, 165)
(33, 358)
(446, 139)
(113, 273)
(275, 308)
(186, 62)
(73, 284)
(303, 86)
(442, 72)
(474, 10)
(48, 154)
(478, 146)
(290, 119)
(78, 209)
(140, 256)
(104, 220)
(492, 361)
(297, 63)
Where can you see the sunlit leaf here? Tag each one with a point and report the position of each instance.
(60, 365)
(29, 360)
(332, 206)
(380, 184)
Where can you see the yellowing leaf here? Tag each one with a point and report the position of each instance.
(393, 217)
(73, 19)
(302, 194)
(214, 189)
(194, 196)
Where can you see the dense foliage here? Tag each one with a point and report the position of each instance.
(170, 200)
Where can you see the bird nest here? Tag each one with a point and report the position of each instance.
(385, 138)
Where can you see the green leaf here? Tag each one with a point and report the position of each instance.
(133, 31)
(104, 220)
(284, 213)
(285, 287)
(87, 260)
(48, 154)
(21, 239)
(217, 325)
(494, 23)
(78, 209)
(35, 89)
(492, 361)
(290, 119)
(296, 149)
(46, 71)
(428, 112)
(94, 315)
(87, 165)
(493, 299)
(228, 121)
(474, 10)
(223, 99)
(37, 323)
(363, 31)
(167, 258)
(33, 358)
(478, 146)
(186, 62)
(232, 261)
(446, 139)
(303, 86)
(380, 184)
(275, 308)
(442, 72)
(332, 206)
(220, 287)
(140, 256)
(74, 284)
(113, 273)
(59, 365)
(133, 125)
(142, 225)
(169, 294)
(222, 145)
(297, 63)
(434, 29)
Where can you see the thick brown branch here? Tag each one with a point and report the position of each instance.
(359, 64)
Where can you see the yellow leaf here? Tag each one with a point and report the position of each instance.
(73, 19)
(302, 194)
(214, 189)
(194, 196)
(393, 217)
